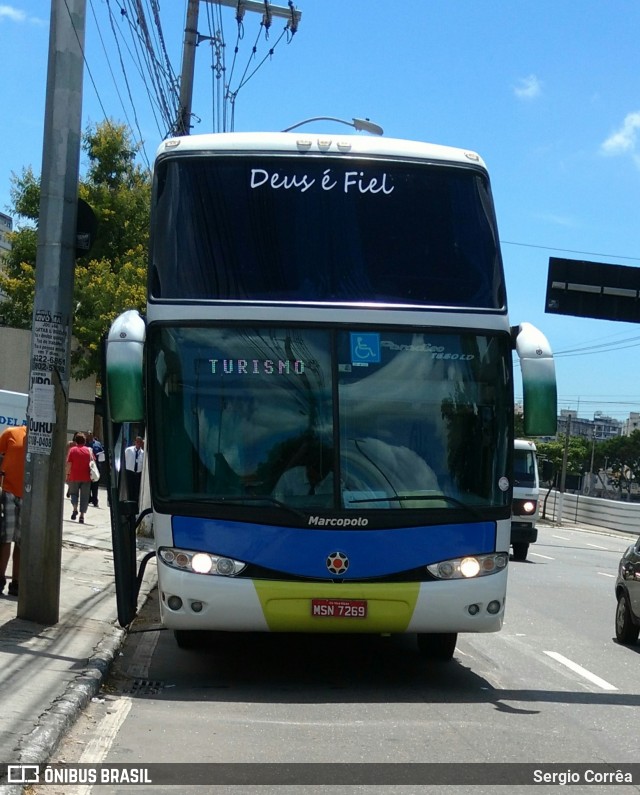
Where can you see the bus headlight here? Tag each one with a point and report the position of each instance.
(524, 507)
(469, 566)
(200, 562)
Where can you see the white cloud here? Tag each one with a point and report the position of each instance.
(18, 15)
(559, 220)
(624, 140)
(528, 88)
(14, 14)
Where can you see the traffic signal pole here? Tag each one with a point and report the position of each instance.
(41, 544)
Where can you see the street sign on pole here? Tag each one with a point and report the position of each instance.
(593, 289)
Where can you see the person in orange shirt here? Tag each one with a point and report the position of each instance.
(12, 455)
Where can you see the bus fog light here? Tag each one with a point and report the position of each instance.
(196, 607)
(529, 507)
(469, 567)
(493, 607)
(174, 602)
(201, 563)
(473, 610)
(182, 560)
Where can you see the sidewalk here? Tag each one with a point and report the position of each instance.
(583, 527)
(48, 674)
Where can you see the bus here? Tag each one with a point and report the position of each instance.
(324, 377)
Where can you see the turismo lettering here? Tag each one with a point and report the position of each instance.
(256, 367)
(350, 182)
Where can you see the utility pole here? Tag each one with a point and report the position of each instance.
(563, 474)
(192, 39)
(183, 124)
(41, 543)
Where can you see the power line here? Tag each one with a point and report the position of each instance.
(568, 250)
(115, 83)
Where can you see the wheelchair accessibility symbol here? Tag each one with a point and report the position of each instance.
(365, 348)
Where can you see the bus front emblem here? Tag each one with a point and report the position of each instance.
(337, 563)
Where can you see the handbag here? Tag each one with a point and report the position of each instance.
(94, 472)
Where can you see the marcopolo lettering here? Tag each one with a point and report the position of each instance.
(340, 521)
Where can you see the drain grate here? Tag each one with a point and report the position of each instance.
(145, 687)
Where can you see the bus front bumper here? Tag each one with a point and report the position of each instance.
(193, 601)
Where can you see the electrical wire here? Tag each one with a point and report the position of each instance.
(137, 141)
(155, 110)
(568, 250)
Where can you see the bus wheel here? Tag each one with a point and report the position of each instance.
(188, 638)
(520, 551)
(626, 630)
(437, 645)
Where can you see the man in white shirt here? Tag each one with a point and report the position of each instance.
(133, 458)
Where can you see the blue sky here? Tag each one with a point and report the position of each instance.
(548, 93)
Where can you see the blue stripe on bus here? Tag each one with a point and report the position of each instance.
(303, 551)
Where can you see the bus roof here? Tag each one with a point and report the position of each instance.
(325, 144)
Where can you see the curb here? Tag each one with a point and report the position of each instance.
(38, 746)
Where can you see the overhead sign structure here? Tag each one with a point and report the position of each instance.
(593, 289)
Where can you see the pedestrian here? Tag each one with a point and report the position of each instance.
(133, 460)
(99, 455)
(12, 454)
(69, 446)
(78, 476)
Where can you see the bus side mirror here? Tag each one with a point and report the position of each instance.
(125, 347)
(539, 389)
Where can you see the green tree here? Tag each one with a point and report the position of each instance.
(578, 454)
(622, 457)
(113, 277)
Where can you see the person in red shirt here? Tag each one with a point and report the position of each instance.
(12, 444)
(78, 476)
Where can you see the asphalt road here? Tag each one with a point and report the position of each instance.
(552, 688)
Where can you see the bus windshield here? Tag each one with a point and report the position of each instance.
(328, 419)
(272, 228)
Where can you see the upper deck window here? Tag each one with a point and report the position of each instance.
(291, 228)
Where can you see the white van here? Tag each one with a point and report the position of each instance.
(526, 494)
(13, 409)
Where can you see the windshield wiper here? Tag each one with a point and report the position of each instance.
(425, 498)
(241, 499)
